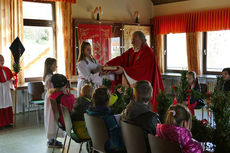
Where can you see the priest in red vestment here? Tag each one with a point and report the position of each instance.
(6, 110)
(139, 63)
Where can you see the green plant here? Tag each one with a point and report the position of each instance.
(164, 101)
(16, 67)
(219, 84)
(220, 105)
(107, 83)
(125, 95)
(201, 132)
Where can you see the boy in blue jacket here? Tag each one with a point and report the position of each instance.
(101, 109)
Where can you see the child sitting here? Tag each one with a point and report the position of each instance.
(79, 108)
(195, 85)
(101, 109)
(6, 110)
(177, 129)
(226, 78)
(60, 94)
(62, 97)
(139, 113)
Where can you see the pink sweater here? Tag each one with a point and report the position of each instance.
(66, 100)
(180, 135)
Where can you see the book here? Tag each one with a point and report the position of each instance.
(110, 68)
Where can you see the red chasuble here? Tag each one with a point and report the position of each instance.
(139, 66)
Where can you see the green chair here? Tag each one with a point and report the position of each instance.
(35, 91)
(69, 129)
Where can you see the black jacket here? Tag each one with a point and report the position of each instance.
(227, 86)
(141, 115)
(79, 108)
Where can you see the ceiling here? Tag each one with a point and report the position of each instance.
(159, 2)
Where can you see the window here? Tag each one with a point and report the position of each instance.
(216, 51)
(115, 47)
(175, 52)
(39, 34)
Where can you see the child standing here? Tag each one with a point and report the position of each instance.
(88, 68)
(50, 126)
(6, 111)
(177, 129)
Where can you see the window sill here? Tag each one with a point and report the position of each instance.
(203, 76)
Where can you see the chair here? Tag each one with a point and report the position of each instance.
(133, 137)
(35, 90)
(158, 145)
(69, 128)
(204, 88)
(97, 131)
(56, 119)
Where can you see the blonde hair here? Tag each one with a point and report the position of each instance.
(178, 113)
(55, 90)
(143, 91)
(87, 91)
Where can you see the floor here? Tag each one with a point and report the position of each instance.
(29, 137)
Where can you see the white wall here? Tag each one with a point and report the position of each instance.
(189, 6)
(116, 10)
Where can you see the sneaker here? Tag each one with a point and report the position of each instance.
(51, 144)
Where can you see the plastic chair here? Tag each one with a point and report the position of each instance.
(158, 145)
(56, 119)
(69, 128)
(35, 90)
(97, 131)
(133, 137)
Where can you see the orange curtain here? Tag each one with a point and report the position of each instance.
(158, 49)
(193, 51)
(211, 20)
(64, 39)
(11, 26)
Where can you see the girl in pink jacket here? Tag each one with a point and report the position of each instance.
(177, 129)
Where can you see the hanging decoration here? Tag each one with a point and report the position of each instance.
(137, 16)
(98, 11)
(99, 36)
(17, 49)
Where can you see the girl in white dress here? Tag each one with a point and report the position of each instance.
(88, 68)
(50, 125)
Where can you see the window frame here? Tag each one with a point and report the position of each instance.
(205, 49)
(165, 57)
(42, 23)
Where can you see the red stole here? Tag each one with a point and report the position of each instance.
(8, 73)
(139, 66)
